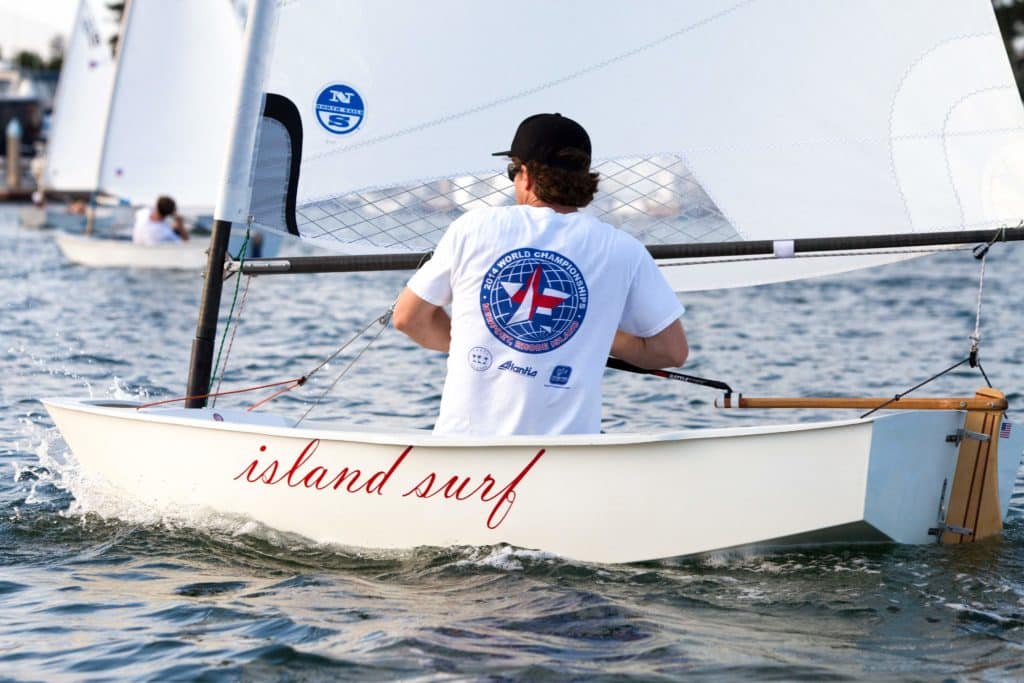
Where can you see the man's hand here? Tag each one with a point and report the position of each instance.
(178, 226)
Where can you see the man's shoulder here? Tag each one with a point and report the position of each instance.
(486, 213)
(483, 216)
(620, 238)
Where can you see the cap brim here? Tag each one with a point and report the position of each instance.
(502, 154)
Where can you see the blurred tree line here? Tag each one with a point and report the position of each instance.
(33, 61)
(118, 9)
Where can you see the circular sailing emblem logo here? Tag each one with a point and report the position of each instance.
(339, 109)
(480, 358)
(533, 300)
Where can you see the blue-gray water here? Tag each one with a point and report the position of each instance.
(100, 590)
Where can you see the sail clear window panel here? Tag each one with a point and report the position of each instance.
(656, 199)
(270, 177)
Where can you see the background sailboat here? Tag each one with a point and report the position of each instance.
(771, 161)
(167, 122)
(75, 144)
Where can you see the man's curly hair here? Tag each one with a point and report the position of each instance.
(558, 186)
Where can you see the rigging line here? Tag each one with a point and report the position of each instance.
(300, 380)
(284, 390)
(383, 320)
(234, 299)
(234, 331)
(915, 388)
(981, 253)
(985, 375)
(976, 336)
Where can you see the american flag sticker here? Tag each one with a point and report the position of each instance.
(1004, 430)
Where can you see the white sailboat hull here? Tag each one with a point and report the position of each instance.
(110, 253)
(61, 219)
(602, 498)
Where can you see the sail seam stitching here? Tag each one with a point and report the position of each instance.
(538, 88)
(892, 112)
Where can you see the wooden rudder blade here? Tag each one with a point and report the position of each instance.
(974, 498)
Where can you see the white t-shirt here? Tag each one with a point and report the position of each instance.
(536, 297)
(148, 231)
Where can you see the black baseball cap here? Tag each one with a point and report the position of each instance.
(548, 139)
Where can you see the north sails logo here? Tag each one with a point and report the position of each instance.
(339, 108)
(526, 371)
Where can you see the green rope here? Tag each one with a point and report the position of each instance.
(227, 323)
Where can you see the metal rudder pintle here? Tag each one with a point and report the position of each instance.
(974, 510)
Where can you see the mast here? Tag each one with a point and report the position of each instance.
(201, 365)
(121, 41)
(237, 175)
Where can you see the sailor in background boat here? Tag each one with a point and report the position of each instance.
(540, 293)
(159, 224)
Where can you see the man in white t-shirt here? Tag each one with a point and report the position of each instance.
(159, 224)
(540, 293)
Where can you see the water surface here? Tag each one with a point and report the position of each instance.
(100, 589)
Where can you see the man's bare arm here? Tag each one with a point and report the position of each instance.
(178, 225)
(426, 324)
(666, 349)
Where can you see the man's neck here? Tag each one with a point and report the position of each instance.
(533, 200)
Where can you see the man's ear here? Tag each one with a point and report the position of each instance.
(527, 178)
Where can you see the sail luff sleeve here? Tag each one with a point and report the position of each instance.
(236, 183)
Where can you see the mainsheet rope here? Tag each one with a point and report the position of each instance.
(980, 253)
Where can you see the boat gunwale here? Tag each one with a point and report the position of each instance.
(328, 431)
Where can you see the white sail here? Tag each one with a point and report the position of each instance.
(711, 120)
(173, 101)
(80, 107)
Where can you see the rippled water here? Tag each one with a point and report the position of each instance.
(101, 589)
